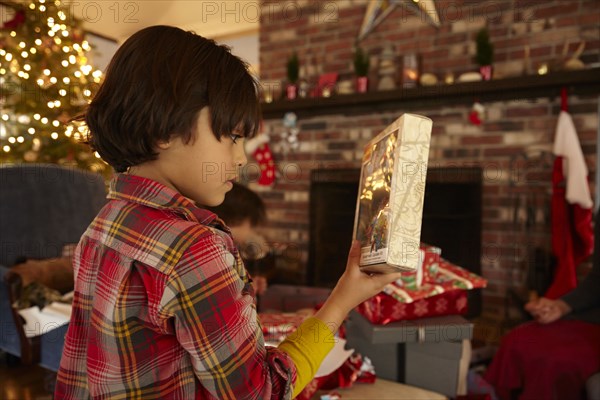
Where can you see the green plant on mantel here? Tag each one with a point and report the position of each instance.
(361, 62)
(485, 48)
(293, 68)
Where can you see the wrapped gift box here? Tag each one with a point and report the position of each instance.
(276, 326)
(383, 308)
(436, 288)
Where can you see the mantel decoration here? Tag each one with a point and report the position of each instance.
(289, 137)
(46, 80)
(378, 10)
(361, 68)
(293, 72)
(485, 54)
(387, 69)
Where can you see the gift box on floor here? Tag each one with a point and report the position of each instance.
(408, 351)
(437, 288)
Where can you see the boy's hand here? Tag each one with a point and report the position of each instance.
(356, 286)
(353, 288)
(546, 311)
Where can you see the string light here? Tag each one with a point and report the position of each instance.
(38, 58)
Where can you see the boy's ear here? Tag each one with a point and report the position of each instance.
(163, 145)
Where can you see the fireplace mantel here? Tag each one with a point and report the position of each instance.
(585, 82)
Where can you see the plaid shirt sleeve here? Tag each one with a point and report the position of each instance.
(211, 307)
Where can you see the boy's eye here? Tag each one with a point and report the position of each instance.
(234, 137)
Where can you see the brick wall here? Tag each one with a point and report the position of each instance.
(323, 33)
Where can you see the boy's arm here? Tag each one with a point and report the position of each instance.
(307, 347)
(215, 322)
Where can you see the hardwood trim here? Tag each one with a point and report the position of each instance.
(584, 82)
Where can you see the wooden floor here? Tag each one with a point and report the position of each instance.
(24, 382)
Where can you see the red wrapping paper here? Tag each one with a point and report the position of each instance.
(439, 288)
(353, 370)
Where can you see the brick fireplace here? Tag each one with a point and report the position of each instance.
(323, 34)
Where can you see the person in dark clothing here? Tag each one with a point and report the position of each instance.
(554, 356)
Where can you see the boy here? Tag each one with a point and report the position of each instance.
(163, 307)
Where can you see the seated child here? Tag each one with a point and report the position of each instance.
(244, 211)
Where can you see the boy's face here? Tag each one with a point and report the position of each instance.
(204, 169)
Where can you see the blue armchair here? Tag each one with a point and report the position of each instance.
(42, 208)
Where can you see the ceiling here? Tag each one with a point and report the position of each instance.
(215, 19)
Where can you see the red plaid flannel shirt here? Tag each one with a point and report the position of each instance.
(164, 307)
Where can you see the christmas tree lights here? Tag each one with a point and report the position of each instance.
(46, 81)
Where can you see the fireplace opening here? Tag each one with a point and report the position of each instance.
(451, 221)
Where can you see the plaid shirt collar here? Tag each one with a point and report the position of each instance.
(150, 193)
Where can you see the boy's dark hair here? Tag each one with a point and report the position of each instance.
(241, 203)
(155, 86)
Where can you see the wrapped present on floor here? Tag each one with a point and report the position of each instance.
(341, 368)
(356, 369)
(437, 288)
(276, 326)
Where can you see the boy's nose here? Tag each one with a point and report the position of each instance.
(240, 157)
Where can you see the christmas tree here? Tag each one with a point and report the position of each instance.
(46, 81)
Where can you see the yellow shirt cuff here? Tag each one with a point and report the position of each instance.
(307, 347)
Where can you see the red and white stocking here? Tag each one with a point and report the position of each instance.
(261, 151)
